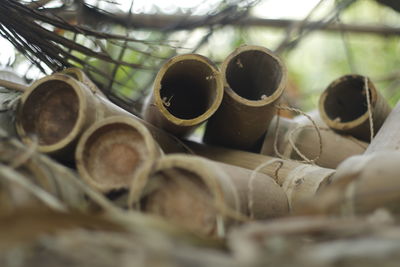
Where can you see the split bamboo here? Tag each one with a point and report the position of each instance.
(344, 106)
(114, 151)
(254, 80)
(187, 91)
(204, 196)
(330, 151)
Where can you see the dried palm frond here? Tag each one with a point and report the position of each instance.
(74, 35)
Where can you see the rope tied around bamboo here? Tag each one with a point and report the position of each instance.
(253, 175)
(292, 143)
(196, 192)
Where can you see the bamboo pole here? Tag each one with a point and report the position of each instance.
(344, 106)
(335, 148)
(362, 184)
(204, 196)
(388, 137)
(254, 80)
(187, 90)
(114, 151)
(299, 181)
(58, 109)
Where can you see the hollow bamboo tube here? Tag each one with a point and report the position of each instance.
(343, 106)
(202, 195)
(81, 76)
(335, 147)
(58, 109)
(254, 80)
(388, 137)
(187, 90)
(114, 151)
(299, 181)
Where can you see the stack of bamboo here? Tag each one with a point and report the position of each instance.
(251, 165)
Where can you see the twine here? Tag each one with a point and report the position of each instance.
(253, 176)
(290, 139)
(371, 121)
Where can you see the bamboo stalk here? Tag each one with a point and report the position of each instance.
(343, 106)
(254, 80)
(204, 196)
(300, 181)
(362, 184)
(187, 91)
(58, 109)
(114, 151)
(388, 136)
(335, 148)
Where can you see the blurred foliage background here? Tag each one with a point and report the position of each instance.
(314, 38)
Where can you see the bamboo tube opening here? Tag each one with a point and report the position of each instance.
(254, 74)
(188, 88)
(113, 152)
(50, 111)
(181, 196)
(345, 102)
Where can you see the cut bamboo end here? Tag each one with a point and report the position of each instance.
(204, 196)
(343, 106)
(188, 89)
(182, 191)
(253, 76)
(53, 110)
(81, 76)
(114, 151)
(254, 80)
